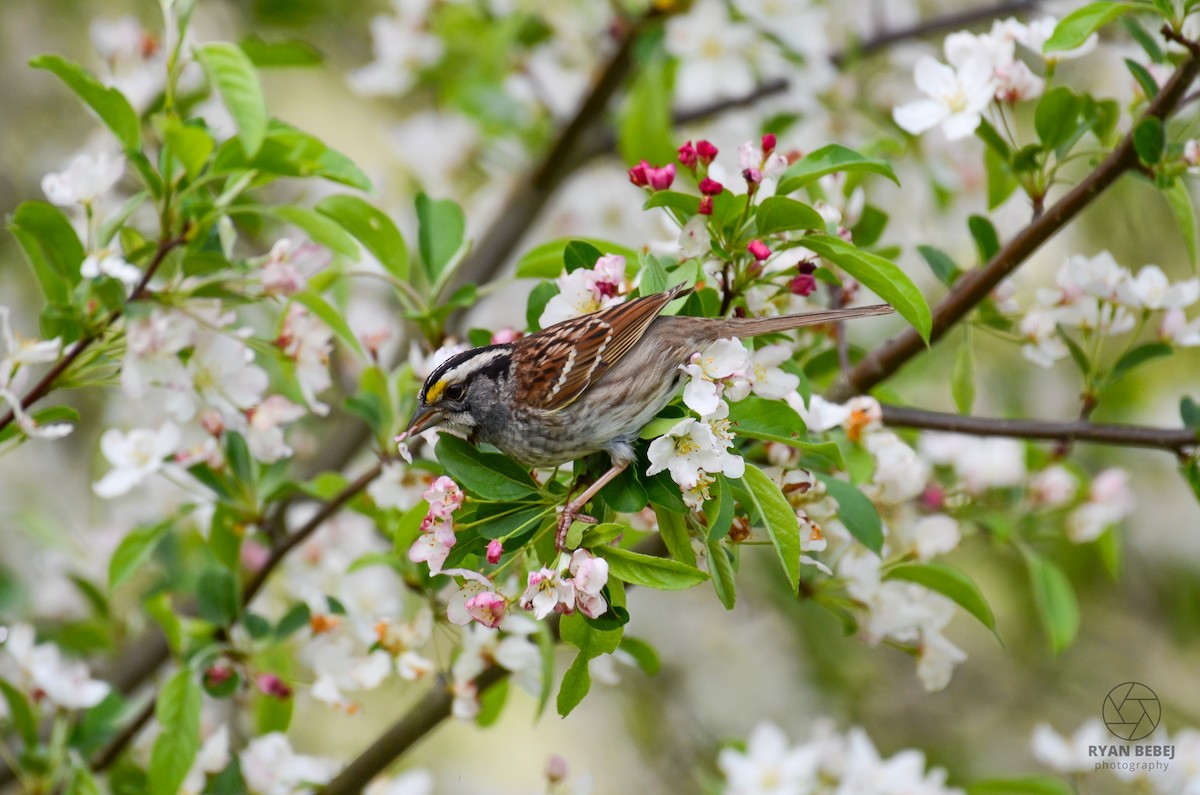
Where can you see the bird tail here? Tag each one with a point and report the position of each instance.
(757, 326)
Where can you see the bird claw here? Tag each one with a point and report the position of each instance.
(566, 518)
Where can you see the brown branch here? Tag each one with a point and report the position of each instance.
(974, 286)
(43, 387)
(1176, 440)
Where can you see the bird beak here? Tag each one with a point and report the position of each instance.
(424, 417)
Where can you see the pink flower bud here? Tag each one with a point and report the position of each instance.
(556, 769)
(272, 685)
(755, 269)
(217, 675)
(494, 550)
(254, 555)
(803, 285)
(687, 155)
(768, 143)
(752, 176)
(505, 335)
(637, 174)
(759, 250)
(661, 178)
(710, 187)
(934, 497)
(706, 152)
(706, 205)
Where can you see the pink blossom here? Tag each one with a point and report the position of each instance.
(444, 498)
(706, 152)
(488, 608)
(752, 176)
(710, 187)
(589, 575)
(433, 546)
(495, 549)
(759, 250)
(661, 178)
(547, 592)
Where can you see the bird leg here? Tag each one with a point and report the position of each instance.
(571, 509)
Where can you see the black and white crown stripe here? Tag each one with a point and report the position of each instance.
(491, 359)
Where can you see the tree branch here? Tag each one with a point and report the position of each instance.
(974, 286)
(43, 387)
(1176, 440)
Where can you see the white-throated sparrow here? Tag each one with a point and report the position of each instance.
(584, 385)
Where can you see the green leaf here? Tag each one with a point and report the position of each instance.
(1001, 182)
(1146, 39)
(576, 683)
(538, 298)
(580, 255)
(159, 608)
(644, 124)
(189, 144)
(856, 512)
(951, 583)
(1074, 29)
(1055, 600)
(178, 713)
(772, 420)
(648, 571)
(1180, 200)
(962, 378)
(881, 276)
(328, 232)
(994, 140)
(1055, 116)
(1189, 412)
(718, 509)
(490, 475)
(827, 160)
(672, 527)
(491, 704)
(288, 152)
(1139, 356)
(720, 568)
(134, 550)
(440, 233)
(51, 247)
(986, 239)
(217, 597)
(233, 75)
(546, 261)
(509, 523)
(241, 464)
(21, 713)
(940, 263)
(779, 519)
(332, 318)
(1142, 75)
(643, 654)
(1021, 786)
(280, 54)
(782, 214)
(372, 228)
(1149, 139)
(684, 204)
(108, 103)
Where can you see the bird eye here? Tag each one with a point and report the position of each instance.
(454, 392)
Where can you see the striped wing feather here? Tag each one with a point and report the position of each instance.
(558, 363)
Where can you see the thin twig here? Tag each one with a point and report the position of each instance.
(1176, 440)
(46, 384)
(976, 285)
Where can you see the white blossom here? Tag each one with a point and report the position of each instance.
(85, 180)
(135, 456)
(769, 766)
(109, 262)
(271, 767)
(41, 667)
(715, 53)
(958, 94)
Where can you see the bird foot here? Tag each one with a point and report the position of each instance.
(570, 514)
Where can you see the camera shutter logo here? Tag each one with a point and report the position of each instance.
(1131, 711)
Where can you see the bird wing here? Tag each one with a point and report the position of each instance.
(558, 363)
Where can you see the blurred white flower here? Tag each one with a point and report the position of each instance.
(900, 475)
(223, 376)
(109, 262)
(85, 180)
(402, 45)
(1151, 289)
(981, 463)
(135, 456)
(769, 766)
(19, 351)
(1176, 329)
(308, 342)
(1109, 501)
(1069, 754)
(412, 782)
(398, 486)
(715, 53)
(264, 430)
(271, 767)
(934, 535)
(212, 759)
(66, 684)
(1054, 486)
(342, 666)
(694, 239)
(289, 264)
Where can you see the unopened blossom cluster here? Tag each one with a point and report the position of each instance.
(1096, 295)
(1073, 755)
(979, 70)
(829, 763)
(437, 536)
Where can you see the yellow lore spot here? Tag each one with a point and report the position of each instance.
(434, 392)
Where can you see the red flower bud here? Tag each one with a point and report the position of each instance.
(807, 267)
(706, 151)
(768, 144)
(637, 174)
(759, 250)
(710, 187)
(706, 206)
(272, 685)
(687, 155)
(752, 176)
(661, 178)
